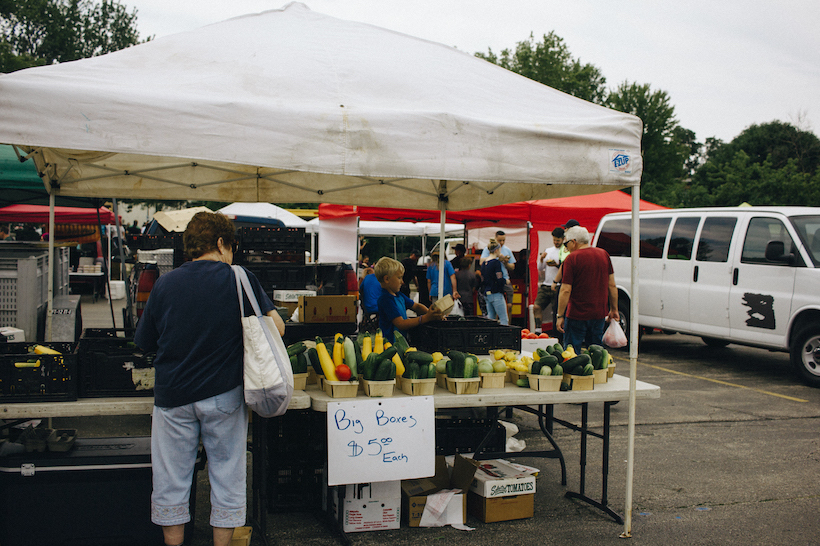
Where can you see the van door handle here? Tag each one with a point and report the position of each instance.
(695, 277)
(734, 277)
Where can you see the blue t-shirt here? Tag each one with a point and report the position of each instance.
(504, 252)
(432, 274)
(192, 321)
(371, 290)
(390, 307)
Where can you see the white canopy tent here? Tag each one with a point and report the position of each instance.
(294, 106)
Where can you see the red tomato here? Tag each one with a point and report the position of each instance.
(532, 336)
(544, 336)
(343, 372)
(525, 330)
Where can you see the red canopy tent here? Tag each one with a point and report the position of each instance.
(38, 214)
(543, 214)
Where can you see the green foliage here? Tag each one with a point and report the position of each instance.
(769, 164)
(668, 150)
(40, 32)
(550, 62)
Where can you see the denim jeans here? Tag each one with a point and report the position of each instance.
(222, 423)
(497, 307)
(583, 333)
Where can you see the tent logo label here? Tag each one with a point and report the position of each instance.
(620, 162)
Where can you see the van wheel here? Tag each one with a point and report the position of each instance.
(714, 342)
(805, 354)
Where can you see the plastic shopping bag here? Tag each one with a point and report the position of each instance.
(614, 336)
(458, 309)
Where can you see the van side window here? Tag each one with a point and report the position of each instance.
(653, 236)
(715, 238)
(683, 238)
(760, 232)
(616, 238)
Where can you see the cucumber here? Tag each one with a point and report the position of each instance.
(557, 370)
(588, 369)
(604, 359)
(386, 370)
(431, 371)
(573, 363)
(550, 361)
(400, 343)
(369, 366)
(296, 348)
(301, 363)
(536, 367)
(545, 370)
(313, 356)
(458, 361)
(523, 382)
(411, 371)
(419, 356)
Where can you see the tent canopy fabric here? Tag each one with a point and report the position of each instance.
(291, 105)
(542, 213)
(38, 214)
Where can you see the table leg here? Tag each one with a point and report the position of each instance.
(581, 495)
(259, 476)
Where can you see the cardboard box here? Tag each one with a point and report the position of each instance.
(289, 299)
(414, 493)
(370, 506)
(501, 508)
(502, 491)
(13, 335)
(323, 309)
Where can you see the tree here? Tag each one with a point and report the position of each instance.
(40, 32)
(669, 151)
(550, 62)
(769, 164)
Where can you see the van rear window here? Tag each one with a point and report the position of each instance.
(616, 237)
(715, 238)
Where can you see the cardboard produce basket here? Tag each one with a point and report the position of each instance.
(579, 382)
(300, 381)
(600, 376)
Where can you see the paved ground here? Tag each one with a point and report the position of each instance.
(730, 454)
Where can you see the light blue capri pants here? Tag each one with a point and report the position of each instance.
(222, 423)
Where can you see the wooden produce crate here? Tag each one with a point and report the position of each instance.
(377, 389)
(341, 389)
(462, 385)
(419, 387)
(493, 380)
(545, 383)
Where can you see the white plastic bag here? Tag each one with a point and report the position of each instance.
(458, 309)
(614, 336)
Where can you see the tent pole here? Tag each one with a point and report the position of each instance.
(633, 359)
(441, 258)
(51, 235)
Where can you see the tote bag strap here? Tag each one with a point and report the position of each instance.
(242, 276)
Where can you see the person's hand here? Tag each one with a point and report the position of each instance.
(541, 256)
(504, 258)
(559, 324)
(614, 315)
(434, 314)
(456, 295)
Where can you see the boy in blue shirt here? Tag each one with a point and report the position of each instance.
(393, 304)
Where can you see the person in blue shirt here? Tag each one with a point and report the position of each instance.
(507, 259)
(450, 283)
(493, 284)
(393, 304)
(370, 290)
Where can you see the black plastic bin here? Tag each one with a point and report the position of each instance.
(474, 335)
(109, 364)
(26, 377)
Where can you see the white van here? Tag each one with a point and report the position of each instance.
(746, 275)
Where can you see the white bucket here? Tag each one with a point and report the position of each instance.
(117, 290)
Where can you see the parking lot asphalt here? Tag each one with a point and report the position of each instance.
(729, 454)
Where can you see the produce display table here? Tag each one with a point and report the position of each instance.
(86, 407)
(615, 390)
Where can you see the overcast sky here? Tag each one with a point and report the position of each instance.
(725, 64)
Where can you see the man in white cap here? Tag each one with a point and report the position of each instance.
(588, 293)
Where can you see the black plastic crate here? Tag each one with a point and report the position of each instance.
(463, 435)
(271, 245)
(27, 377)
(109, 364)
(477, 336)
(281, 276)
(297, 450)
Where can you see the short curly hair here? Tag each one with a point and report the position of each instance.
(203, 232)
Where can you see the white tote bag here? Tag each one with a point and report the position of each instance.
(268, 375)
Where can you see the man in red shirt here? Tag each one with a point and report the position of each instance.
(588, 293)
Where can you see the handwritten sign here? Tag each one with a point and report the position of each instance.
(380, 439)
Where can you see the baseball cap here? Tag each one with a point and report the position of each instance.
(570, 223)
